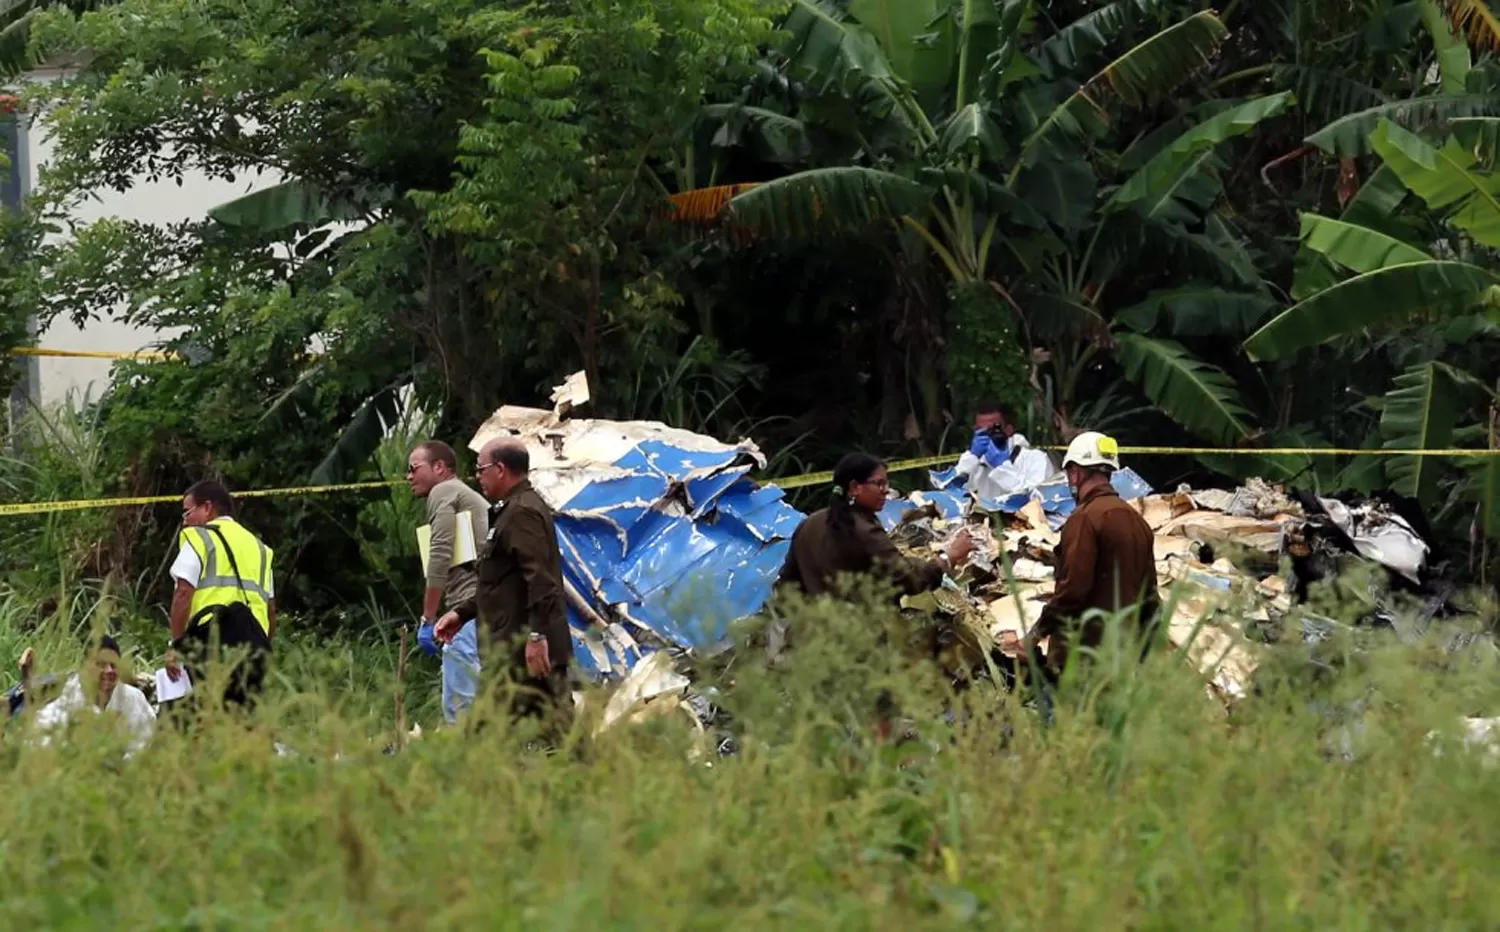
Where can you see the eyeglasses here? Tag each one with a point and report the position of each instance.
(189, 511)
(878, 483)
(411, 468)
(479, 469)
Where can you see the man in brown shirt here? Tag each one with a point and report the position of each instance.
(1106, 560)
(519, 602)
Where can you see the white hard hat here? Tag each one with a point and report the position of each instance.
(1092, 448)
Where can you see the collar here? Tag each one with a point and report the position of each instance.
(1101, 490)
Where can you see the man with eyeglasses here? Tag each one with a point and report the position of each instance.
(432, 473)
(519, 602)
(225, 591)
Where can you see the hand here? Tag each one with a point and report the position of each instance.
(447, 628)
(960, 547)
(538, 659)
(981, 444)
(174, 666)
(28, 657)
(426, 638)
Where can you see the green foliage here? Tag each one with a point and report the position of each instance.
(1194, 394)
(1420, 414)
(986, 363)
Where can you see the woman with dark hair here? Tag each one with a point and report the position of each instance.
(847, 538)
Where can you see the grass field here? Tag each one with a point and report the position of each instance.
(1320, 803)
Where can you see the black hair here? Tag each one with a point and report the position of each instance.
(437, 451)
(513, 457)
(107, 643)
(854, 467)
(212, 493)
(995, 407)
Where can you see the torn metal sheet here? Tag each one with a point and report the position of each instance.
(662, 533)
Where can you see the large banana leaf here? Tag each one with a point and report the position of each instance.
(1376, 199)
(1092, 33)
(1356, 248)
(971, 131)
(1371, 207)
(1419, 415)
(1197, 310)
(826, 46)
(1155, 184)
(357, 443)
(1393, 294)
(919, 50)
(284, 206)
(1194, 394)
(826, 199)
(1452, 54)
(1350, 135)
(1449, 177)
(978, 38)
(1144, 73)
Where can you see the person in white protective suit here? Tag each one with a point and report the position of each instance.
(1000, 462)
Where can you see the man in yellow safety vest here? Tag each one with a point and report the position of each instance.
(225, 591)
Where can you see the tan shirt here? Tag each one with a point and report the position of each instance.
(444, 503)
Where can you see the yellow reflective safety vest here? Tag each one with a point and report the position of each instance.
(217, 584)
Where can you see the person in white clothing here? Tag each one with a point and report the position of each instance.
(1000, 461)
(97, 690)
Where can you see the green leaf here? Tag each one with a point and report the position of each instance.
(1092, 33)
(1194, 394)
(1444, 178)
(358, 442)
(1357, 248)
(1375, 201)
(1393, 294)
(971, 131)
(901, 26)
(780, 138)
(828, 198)
(825, 45)
(1420, 413)
(282, 207)
(1157, 182)
(1350, 135)
(1324, 94)
(1146, 72)
(1452, 52)
(1480, 137)
(1062, 191)
(978, 38)
(1197, 311)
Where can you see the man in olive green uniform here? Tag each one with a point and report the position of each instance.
(523, 622)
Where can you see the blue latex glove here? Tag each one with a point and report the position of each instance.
(985, 448)
(426, 639)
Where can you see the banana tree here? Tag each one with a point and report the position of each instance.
(993, 175)
(1381, 282)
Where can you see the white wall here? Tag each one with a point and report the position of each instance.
(160, 202)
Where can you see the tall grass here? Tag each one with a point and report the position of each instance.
(1144, 805)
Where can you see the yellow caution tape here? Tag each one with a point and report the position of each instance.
(819, 478)
(40, 508)
(792, 482)
(87, 354)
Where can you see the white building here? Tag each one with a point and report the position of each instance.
(50, 380)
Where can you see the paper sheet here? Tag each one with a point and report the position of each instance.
(464, 550)
(167, 691)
